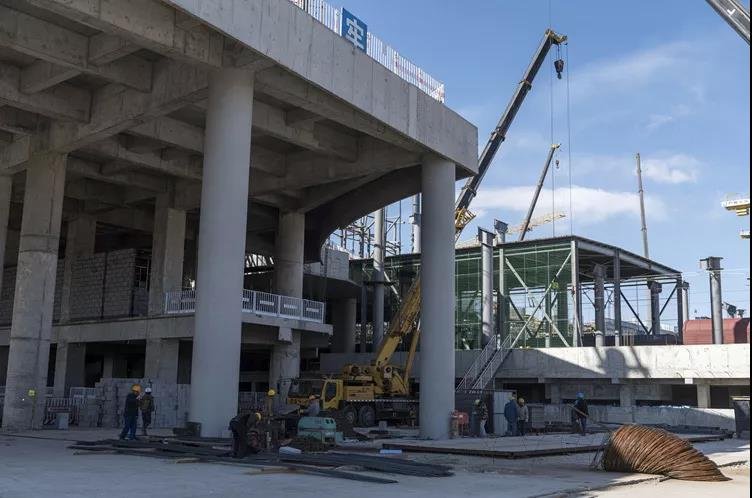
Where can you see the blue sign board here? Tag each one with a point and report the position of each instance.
(354, 30)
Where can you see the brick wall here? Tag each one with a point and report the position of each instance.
(102, 285)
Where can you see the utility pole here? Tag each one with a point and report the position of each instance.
(645, 251)
(415, 220)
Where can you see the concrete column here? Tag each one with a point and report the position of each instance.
(288, 273)
(108, 366)
(703, 396)
(486, 240)
(617, 295)
(70, 367)
(343, 323)
(161, 361)
(6, 184)
(681, 312)
(504, 302)
(79, 242)
(685, 301)
(626, 395)
(555, 394)
(437, 298)
(599, 276)
(379, 251)
(576, 295)
(31, 326)
(219, 284)
(713, 265)
(167, 252)
(415, 220)
(655, 306)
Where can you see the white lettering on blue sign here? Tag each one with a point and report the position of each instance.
(354, 30)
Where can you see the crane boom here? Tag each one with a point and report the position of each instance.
(406, 319)
(470, 189)
(734, 13)
(536, 194)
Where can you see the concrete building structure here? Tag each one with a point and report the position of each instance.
(172, 139)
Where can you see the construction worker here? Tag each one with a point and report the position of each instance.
(146, 405)
(314, 407)
(510, 414)
(580, 410)
(481, 415)
(270, 400)
(523, 416)
(130, 413)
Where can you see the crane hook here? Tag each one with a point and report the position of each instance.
(559, 66)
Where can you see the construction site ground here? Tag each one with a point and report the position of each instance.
(38, 464)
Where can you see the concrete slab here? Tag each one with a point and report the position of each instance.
(44, 468)
(517, 447)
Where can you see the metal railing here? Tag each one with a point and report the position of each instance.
(258, 302)
(384, 54)
(486, 364)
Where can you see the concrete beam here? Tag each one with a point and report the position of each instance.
(60, 46)
(318, 196)
(285, 86)
(272, 121)
(43, 75)
(105, 48)
(17, 121)
(124, 177)
(147, 23)
(62, 102)
(111, 148)
(172, 132)
(308, 169)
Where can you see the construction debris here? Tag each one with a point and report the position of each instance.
(377, 463)
(182, 451)
(648, 450)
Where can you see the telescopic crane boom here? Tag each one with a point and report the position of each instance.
(391, 380)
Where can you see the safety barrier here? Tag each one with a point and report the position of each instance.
(384, 54)
(258, 302)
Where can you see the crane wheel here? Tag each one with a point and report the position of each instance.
(366, 416)
(350, 414)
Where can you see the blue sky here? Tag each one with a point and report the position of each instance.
(668, 79)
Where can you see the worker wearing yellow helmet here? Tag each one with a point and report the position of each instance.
(270, 400)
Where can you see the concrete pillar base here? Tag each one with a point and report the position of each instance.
(437, 298)
(703, 396)
(215, 371)
(31, 328)
(284, 364)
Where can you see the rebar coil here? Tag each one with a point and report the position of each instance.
(648, 450)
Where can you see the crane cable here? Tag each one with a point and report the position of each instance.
(569, 141)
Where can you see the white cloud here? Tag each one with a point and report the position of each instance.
(674, 169)
(635, 70)
(589, 205)
(657, 120)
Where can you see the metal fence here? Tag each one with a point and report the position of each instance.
(258, 302)
(384, 54)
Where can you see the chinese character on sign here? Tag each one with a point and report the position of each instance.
(354, 30)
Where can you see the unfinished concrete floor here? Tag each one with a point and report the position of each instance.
(45, 468)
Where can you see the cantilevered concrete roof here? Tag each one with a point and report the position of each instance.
(121, 86)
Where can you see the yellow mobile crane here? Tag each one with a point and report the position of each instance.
(381, 390)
